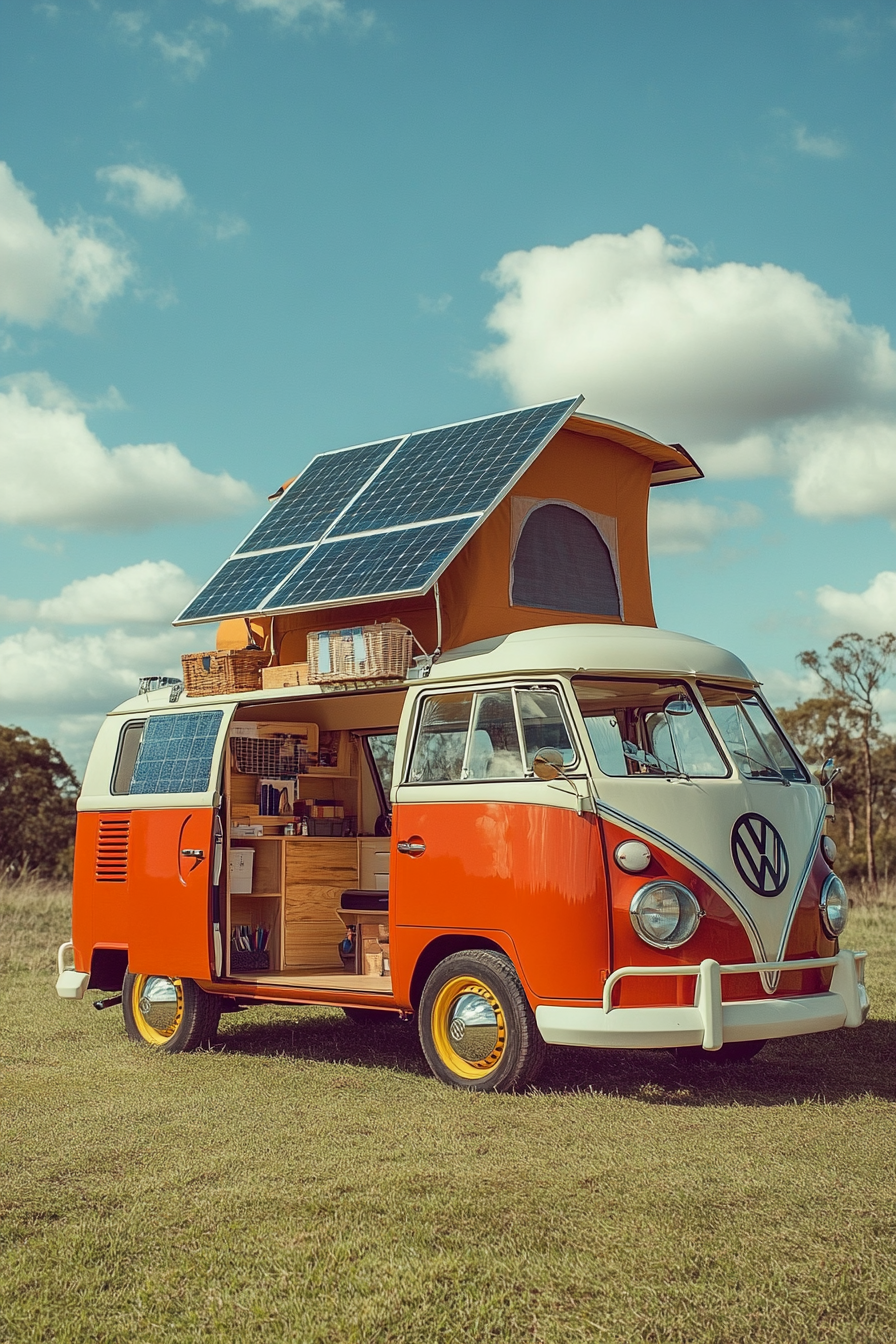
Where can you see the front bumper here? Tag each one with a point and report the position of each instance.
(712, 1021)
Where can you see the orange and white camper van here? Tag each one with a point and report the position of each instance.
(552, 824)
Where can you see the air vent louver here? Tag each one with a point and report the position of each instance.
(112, 849)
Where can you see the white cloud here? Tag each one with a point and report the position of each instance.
(146, 191)
(188, 51)
(787, 688)
(818, 146)
(128, 24)
(42, 672)
(870, 613)
(39, 388)
(754, 368)
(64, 273)
(227, 227)
(57, 473)
(150, 592)
(680, 526)
(309, 15)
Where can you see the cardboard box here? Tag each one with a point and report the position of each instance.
(241, 864)
(291, 674)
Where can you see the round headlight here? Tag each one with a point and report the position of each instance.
(834, 906)
(665, 914)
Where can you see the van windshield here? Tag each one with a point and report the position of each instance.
(648, 728)
(751, 734)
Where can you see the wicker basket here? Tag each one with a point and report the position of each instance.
(363, 653)
(223, 671)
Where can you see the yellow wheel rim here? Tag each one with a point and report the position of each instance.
(468, 1027)
(157, 1002)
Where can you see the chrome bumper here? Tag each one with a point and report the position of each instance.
(712, 1021)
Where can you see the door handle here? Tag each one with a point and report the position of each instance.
(412, 847)
(193, 853)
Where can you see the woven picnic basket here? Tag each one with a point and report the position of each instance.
(362, 653)
(223, 671)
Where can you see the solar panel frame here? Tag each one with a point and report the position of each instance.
(272, 606)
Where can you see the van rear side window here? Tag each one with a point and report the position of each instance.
(174, 754)
(128, 746)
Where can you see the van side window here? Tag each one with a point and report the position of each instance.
(544, 725)
(477, 735)
(494, 751)
(441, 738)
(128, 746)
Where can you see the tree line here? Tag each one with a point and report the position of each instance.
(38, 788)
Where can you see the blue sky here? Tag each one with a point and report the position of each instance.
(234, 233)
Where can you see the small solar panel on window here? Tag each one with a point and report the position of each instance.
(176, 753)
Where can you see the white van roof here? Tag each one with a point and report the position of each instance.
(636, 649)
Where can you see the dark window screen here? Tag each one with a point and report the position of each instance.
(562, 564)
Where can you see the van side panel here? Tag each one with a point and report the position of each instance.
(170, 891)
(535, 872)
(100, 900)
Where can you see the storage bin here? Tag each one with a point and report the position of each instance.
(362, 653)
(325, 825)
(222, 671)
(291, 674)
(241, 960)
(241, 864)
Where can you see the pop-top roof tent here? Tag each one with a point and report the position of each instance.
(528, 518)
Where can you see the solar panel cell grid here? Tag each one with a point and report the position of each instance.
(306, 509)
(391, 562)
(241, 585)
(459, 469)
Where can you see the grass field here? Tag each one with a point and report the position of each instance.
(309, 1181)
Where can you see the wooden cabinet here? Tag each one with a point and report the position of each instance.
(317, 873)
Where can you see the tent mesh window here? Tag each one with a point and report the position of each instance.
(562, 563)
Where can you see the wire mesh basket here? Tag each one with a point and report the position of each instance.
(364, 652)
(277, 757)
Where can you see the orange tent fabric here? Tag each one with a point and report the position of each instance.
(600, 476)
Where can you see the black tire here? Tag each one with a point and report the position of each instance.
(474, 1000)
(168, 1013)
(369, 1017)
(735, 1052)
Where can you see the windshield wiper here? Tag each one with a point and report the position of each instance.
(760, 771)
(634, 753)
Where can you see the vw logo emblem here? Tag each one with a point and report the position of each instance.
(457, 1029)
(759, 854)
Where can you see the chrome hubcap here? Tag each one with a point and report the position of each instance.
(472, 1028)
(158, 1003)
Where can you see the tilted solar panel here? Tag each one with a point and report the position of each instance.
(400, 561)
(311, 503)
(242, 584)
(439, 473)
(384, 519)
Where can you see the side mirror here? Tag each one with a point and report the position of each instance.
(548, 763)
(679, 706)
(828, 773)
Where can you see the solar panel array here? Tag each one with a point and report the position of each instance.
(380, 520)
(176, 753)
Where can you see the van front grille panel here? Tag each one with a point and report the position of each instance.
(112, 849)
